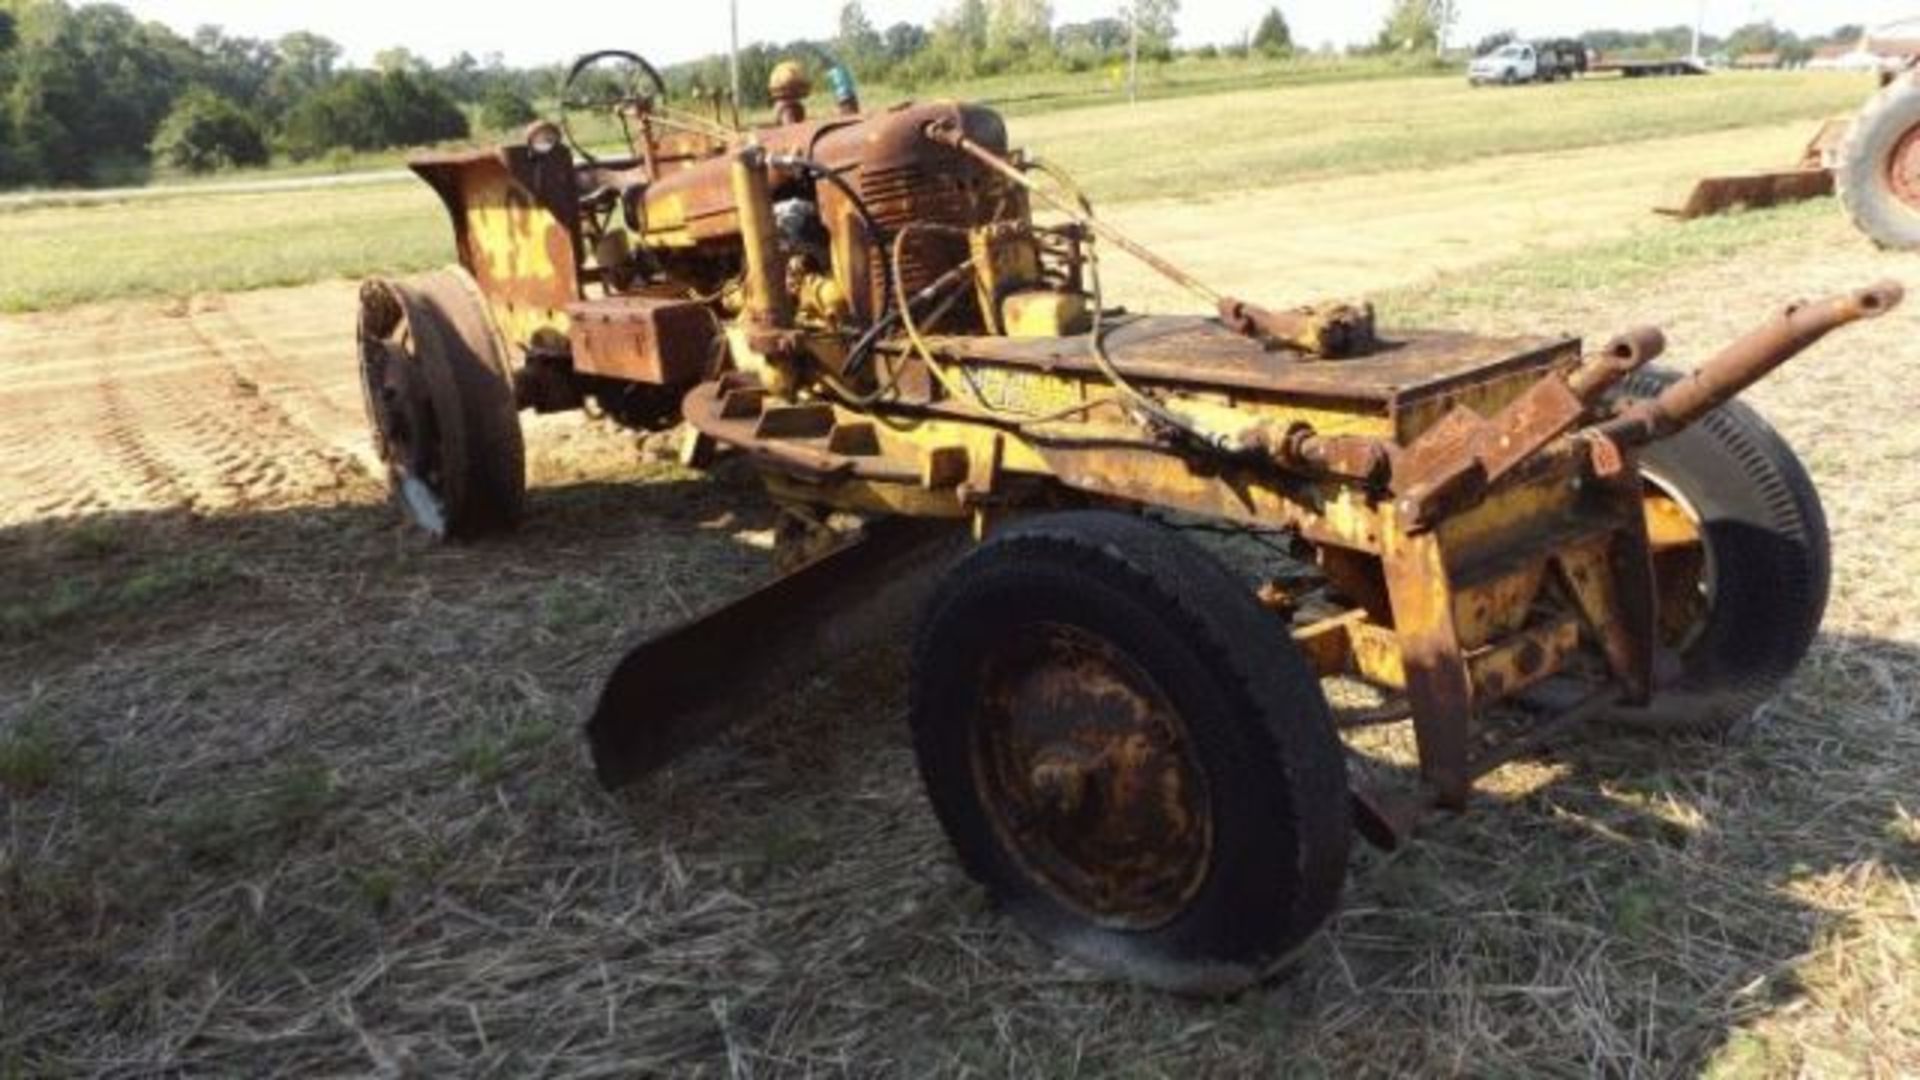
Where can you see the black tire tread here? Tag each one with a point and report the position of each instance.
(484, 451)
(1860, 178)
(1209, 607)
(1776, 494)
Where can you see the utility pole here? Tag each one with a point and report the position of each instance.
(1699, 18)
(733, 54)
(1133, 53)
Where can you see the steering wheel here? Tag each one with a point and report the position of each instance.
(637, 83)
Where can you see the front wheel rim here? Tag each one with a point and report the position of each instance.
(1088, 775)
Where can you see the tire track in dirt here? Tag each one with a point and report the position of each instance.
(296, 415)
(94, 426)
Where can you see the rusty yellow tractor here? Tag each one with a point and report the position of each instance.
(897, 319)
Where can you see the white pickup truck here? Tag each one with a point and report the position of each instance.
(1521, 62)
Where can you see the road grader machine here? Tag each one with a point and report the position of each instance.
(897, 320)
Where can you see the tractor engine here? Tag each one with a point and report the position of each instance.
(624, 282)
(843, 189)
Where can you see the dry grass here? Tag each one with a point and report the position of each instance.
(322, 809)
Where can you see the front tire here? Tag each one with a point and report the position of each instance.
(1878, 177)
(1742, 563)
(441, 402)
(1128, 752)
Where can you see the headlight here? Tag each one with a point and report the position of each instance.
(543, 138)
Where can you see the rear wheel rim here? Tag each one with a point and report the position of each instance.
(1903, 169)
(403, 413)
(1087, 773)
(1684, 573)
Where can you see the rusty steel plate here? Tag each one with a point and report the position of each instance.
(1407, 368)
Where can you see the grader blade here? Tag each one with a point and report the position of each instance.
(1813, 178)
(691, 683)
(1754, 191)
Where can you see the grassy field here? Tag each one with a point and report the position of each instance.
(1180, 146)
(1226, 142)
(286, 791)
(177, 247)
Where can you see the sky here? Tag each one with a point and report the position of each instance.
(668, 32)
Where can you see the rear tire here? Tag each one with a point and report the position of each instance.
(1878, 177)
(1767, 556)
(440, 398)
(1128, 752)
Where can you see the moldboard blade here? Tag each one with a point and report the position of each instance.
(687, 685)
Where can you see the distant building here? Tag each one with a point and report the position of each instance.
(1759, 61)
(1900, 49)
(1871, 54)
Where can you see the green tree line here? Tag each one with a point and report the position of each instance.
(90, 94)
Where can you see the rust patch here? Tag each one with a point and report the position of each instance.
(1085, 769)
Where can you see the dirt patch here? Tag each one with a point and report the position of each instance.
(1301, 242)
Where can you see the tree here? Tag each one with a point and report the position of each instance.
(503, 109)
(1412, 26)
(89, 87)
(1273, 37)
(902, 42)
(463, 78)
(400, 58)
(12, 170)
(967, 24)
(306, 66)
(960, 38)
(365, 111)
(206, 132)
(1759, 37)
(1020, 27)
(235, 68)
(1101, 37)
(858, 42)
(1158, 24)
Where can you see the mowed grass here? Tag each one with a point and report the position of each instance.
(1186, 146)
(1235, 141)
(59, 257)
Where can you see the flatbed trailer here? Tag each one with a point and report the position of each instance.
(1644, 69)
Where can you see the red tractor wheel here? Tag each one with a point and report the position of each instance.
(1879, 168)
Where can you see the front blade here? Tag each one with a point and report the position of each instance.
(1723, 194)
(687, 685)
